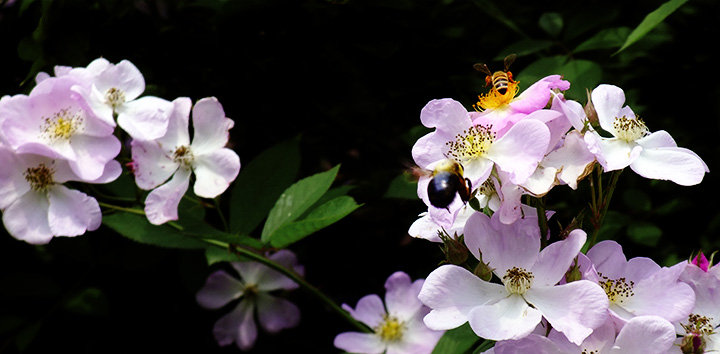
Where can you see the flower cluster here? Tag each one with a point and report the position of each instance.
(64, 130)
(522, 290)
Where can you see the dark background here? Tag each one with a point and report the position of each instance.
(351, 77)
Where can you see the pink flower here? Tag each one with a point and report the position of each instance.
(699, 330)
(477, 146)
(397, 325)
(56, 122)
(37, 206)
(643, 334)
(528, 291)
(651, 155)
(113, 89)
(257, 281)
(637, 286)
(174, 157)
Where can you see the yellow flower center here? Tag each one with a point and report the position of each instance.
(114, 97)
(517, 280)
(630, 129)
(472, 143)
(184, 156)
(62, 125)
(617, 290)
(494, 99)
(390, 330)
(40, 177)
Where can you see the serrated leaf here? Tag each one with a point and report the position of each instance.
(456, 341)
(137, 228)
(296, 200)
(319, 218)
(650, 21)
(260, 183)
(605, 39)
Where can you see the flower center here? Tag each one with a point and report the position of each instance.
(699, 325)
(494, 99)
(40, 178)
(587, 351)
(184, 156)
(390, 330)
(62, 124)
(517, 280)
(617, 290)
(630, 129)
(472, 143)
(114, 97)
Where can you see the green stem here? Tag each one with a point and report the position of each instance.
(119, 208)
(296, 278)
(605, 203)
(542, 221)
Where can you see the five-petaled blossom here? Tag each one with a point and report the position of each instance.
(37, 206)
(173, 156)
(642, 334)
(257, 281)
(638, 286)
(397, 325)
(529, 289)
(651, 155)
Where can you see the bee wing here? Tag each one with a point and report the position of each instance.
(483, 68)
(509, 60)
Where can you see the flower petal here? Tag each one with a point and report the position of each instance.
(124, 76)
(452, 292)
(71, 212)
(220, 288)
(608, 258)
(145, 118)
(612, 154)
(210, 125)
(608, 101)
(161, 204)
(555, 259)
(276, 314)
(509, 318)
(574, 309)
(520, 149)
(237, 326)
(214, 172)
(645, 334)
(153, 164)
(12, 182)
(369, 310)
(92, 155)
(27, 219)
(401, 296)
(356, 342)
(674, 164)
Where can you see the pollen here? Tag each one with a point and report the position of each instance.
(471, 143)
(517, 280)
(40, 177)
(184, 156)
(114, 97)
(630, 129)
(617, 290)
(62, 125)
(699, 325)
(391, 329)
(494, 99)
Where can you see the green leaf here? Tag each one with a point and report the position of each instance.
(551, 22)
(605, 39)
(137, 228)
(296, 200)
(320, 217)
(403, 186)
(651, 20)
(88, 301)
(456, 341)
(260, 183)
(583, 74)
(201, 229)
(644, 233)
(539, 69)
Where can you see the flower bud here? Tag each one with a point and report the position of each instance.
(573, 273)
(590, 111)
(483, 270)
(454, 248)
(693, 344)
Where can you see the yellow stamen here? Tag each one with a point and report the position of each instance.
(40, 178)
(184, 156)
(390, 330)
(617, 290)
(472, 143)
(494, 99)
(62, 125)
(517, 280)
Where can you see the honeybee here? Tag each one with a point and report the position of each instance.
(498, 79)
(448, 180)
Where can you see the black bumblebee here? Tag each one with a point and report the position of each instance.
(447, 180)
